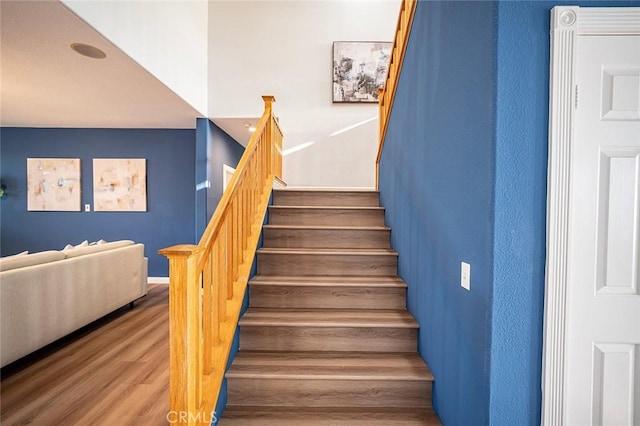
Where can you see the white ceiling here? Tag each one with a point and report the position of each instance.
(46, 84)
(43, 83)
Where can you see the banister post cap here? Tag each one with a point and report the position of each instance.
(268, 100)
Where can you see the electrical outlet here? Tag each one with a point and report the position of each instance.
(465, 275)
(87, 207)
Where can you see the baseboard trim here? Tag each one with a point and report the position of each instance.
(158, 280)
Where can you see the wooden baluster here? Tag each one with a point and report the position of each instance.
(240, 222)
(222, 273)
(184, 308)
(246, 220)
(235, 245)
(209, 319)
(215, 294)
(230, 266)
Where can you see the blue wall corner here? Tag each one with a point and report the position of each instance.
(169, 218)
(221, 149)
(214, 148)
(201, 176)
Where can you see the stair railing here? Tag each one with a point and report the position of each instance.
(207, 281)
(387, 93)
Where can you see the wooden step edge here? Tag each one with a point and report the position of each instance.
(303, 360)
(345, 324)
(328, 416)
(251, 320)
(326, 374)
(328, 251)
(323, 208)
(380, 228)
(340, 190)
(303, 282)
(425, 416)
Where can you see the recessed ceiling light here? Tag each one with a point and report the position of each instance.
(88, 50)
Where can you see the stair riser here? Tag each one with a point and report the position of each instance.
(326, 238)
(328, 393)
(326, 217)
(327, 264)
(302, 297)
(365, 339)
(306, 198)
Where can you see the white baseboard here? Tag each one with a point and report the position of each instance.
(158, 280)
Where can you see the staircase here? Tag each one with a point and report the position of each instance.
(327, 339)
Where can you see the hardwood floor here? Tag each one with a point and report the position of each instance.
(112, 372)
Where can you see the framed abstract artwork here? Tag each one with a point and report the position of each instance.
(359, 68)
(53, 184)
(119, 185)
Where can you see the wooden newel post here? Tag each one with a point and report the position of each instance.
(185, 313)
(271, 151)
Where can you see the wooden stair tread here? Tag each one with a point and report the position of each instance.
(319, 189)
(329, 366)
(381, 318)
(325, 416)
(331, 227)
(328, 281)
(329, 251)
(324, 208)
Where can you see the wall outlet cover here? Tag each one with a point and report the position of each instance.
(465, 275)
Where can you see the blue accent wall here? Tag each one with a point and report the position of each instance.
(463, 178)
(170, 214)
(437, 181)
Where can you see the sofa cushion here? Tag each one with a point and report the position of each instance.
(15, 255)
(81, 251)
(30, 260)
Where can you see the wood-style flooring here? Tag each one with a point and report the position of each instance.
(112, 372)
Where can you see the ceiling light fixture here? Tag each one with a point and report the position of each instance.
(250, 128)
(88, 50)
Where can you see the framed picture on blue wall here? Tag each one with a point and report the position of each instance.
(53, 184)
(120, 184)
(359, 68)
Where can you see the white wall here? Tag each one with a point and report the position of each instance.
(284, 48)
(168, 38)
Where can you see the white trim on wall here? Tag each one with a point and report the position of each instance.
(227, 174)
(567, 22)
(157, 280)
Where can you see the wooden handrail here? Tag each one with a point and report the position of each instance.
(387, 93)
(207, 281)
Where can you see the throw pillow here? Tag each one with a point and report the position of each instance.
(70, 246)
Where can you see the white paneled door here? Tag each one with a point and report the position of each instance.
(603, 285)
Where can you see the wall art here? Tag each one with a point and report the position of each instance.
(359, 68)
(53, 184)
(119, 185)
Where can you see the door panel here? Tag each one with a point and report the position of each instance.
(603, 330)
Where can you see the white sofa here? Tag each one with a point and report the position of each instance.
(47, 295)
